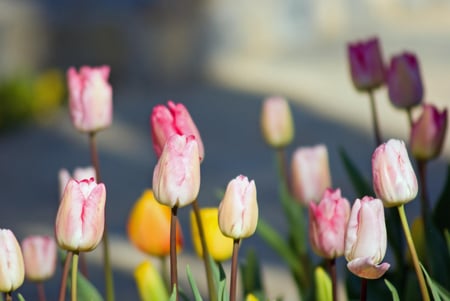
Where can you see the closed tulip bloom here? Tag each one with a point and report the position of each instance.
(79, 173)
(176, 177)
(405, 86)
(394, 180)
(80, 219)
(149, 283)
(90, 98)
(238, 211)
(310, 173)
(366, 240)
(366, 64)
(149, 226)
(328, 223)
(276, 122)
(39, 255)
(428, 133)
(219, 246)
(170, 120)
(12, 272)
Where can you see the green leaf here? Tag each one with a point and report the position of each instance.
(251, 274)
(20, 297)
(393, 290)
(360, 185)
(434, 289)
(173, 296)
(195, 291)
(86, 291)
(324, 290)
(442, 208)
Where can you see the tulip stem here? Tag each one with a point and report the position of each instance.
(376, 126)
(363, 293)
(41, 291)
(409, 114)
(205, 253)
(332, 269)
(173, 251)
(65, 273)
(74, 276)
(8, 296)
(424, 202)
(281, 154)
(415, 258)
(165, 275)
(234, 267)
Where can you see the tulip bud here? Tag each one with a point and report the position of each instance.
(238, 211)
(404, 81)
(149, 226)
(176, 178)
(150, 283)
(310, 173)
(394, 180)
(90, 98)
(170, 120)
(11, 262)
(39, 255)
(366, 239)
(219, 246)
(366, 64)
(79, 173)
(428, 133)
(276, 122)
(80, 219)
(328, 224)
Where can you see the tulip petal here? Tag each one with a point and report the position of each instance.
(365, 268)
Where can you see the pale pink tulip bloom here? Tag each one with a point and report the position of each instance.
(79, 173)
(394, 180)
(12, 272)
(310, 173)
(40, 256)
(238, 211)
(277, 124)
(366, 239)
(90, 98)
(328, 223)
(80, 219)
(170, 120)
(176, 177)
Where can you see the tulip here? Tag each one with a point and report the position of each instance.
(149, 226)
(79, 173)
(428, 133)
(39, 255)
(366, 64)
(238, 210)
(219, 246)
(328, 224)
(366, 240)
(394, 180)
(310, 173)
(276, 122)
(11, 262)
(80, 219)
(150, 283)
(404, 81)
(170, 120)
(176, 177)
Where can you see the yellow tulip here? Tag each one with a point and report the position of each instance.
(251, 297)
(219, 246)
(150, 283)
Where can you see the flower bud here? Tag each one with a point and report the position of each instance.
(176, 177)
(39, 255)
(428, 133)
(11, 262)
(219, 246)
(150, 283)
(310, 173)
(366, 239)
(90, 98)
(394, 180)
(80, 219)
(238, 211)
(366, 64)
(404, 81)
(328, 224)
(149, 226)
(276, 122)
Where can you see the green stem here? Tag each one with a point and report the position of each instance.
(234, 267)
(410, 119)
(412, 250)
(424, 202)
(165, 275)
(74, 276)
(376, 127)
(8, 296)
(173, 251)
(363, 293)
(282, 166)
(65, 273)
(332, 270)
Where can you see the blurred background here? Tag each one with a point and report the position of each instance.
(221, 59)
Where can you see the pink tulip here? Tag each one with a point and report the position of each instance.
(310, 173)
(80, 219)
(170, 120)
(366, 64)
(366, 240)
(90, 98)
(428, 133)
(79, 173)
(39, 255)
(328, 224)
(404, 81)
(276, 122)
(176, 177)
(238, 211)
(11, 262)
(394, 180)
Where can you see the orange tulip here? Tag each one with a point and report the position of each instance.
(149, 226)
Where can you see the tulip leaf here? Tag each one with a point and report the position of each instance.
(360, 185)
(173, 296)
(86, 291)
(324, 291)
(442, 208)
(393, 290)
(436, 289)
(195, 291)
(20, 297)
(251, 274)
